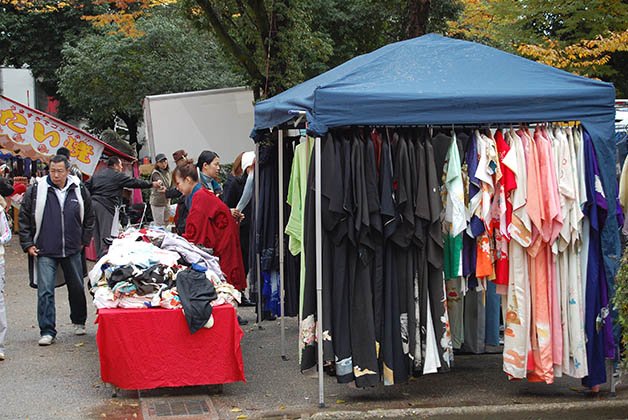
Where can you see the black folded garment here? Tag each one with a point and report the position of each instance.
(122, 273)
(196, 294)
(157, 274)
(144, 280)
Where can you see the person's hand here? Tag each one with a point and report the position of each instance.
(237, 215)
(157, 184)
(162, 190)
(32, 251)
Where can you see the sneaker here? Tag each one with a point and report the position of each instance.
(79, 329)
(242, 321)
(46, 340)
(1, 356)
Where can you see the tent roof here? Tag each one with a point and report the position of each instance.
(438, 80)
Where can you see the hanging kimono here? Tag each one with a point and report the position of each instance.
(339, 228)
(542, 369)
(489, 173)
(548, 163)
(362, 326)
(309, 319)
(474, 306)
(598, 329)
(436, 284)
(412, 301)
(377, 236)
(267, 226)
(568, 260)
(395, 363)
(506, 185)
(517, 319)
(425, 357)
(453, 224)
(402, 238)
(297, 190)
(484, 172)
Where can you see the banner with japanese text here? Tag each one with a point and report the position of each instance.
(36, 135)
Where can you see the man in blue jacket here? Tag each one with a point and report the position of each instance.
(56, 221)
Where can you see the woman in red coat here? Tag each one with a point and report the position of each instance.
(210, 224)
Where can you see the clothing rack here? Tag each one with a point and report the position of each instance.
(300, 115)
(501, 125)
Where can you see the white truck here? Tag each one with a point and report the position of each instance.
(219, 120)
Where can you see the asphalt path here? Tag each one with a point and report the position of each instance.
(62, 381)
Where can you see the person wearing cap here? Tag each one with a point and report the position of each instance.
(159, 203)
(180, 158)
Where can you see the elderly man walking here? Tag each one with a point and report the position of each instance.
(56, 221)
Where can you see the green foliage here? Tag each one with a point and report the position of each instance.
(225, 170)
(620, 302)
(570, 20)
(524, 26)
(281, 43)
(113, 139)
(36, 39)
(106, 75)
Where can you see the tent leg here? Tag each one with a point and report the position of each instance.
(319, 272)
(281, 248)
(256, 242)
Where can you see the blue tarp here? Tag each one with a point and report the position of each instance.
(437, 80)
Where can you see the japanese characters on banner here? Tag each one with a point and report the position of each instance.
(38, 136)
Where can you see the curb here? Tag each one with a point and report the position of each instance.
(593, 409)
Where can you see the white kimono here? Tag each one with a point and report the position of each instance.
(518, 313)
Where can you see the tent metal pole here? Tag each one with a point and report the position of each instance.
(282, 288)
(319, 272)
(256, 240)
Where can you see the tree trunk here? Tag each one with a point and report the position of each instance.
(132, 125)
(240, 53)
(418, 12)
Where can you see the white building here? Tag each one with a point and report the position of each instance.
(18, 84)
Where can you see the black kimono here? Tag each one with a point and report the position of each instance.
(395, 362)
(435, 256)
(361, 251)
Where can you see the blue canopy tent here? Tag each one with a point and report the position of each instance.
(438, 80)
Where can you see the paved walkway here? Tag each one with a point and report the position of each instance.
(63, 381)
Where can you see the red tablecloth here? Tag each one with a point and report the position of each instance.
(153, 348)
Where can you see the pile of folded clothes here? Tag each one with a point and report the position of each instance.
(141, 270)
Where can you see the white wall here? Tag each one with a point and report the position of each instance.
(18, 84)
(218, 120)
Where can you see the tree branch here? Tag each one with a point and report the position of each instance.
(261, 17)
(239, 53)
